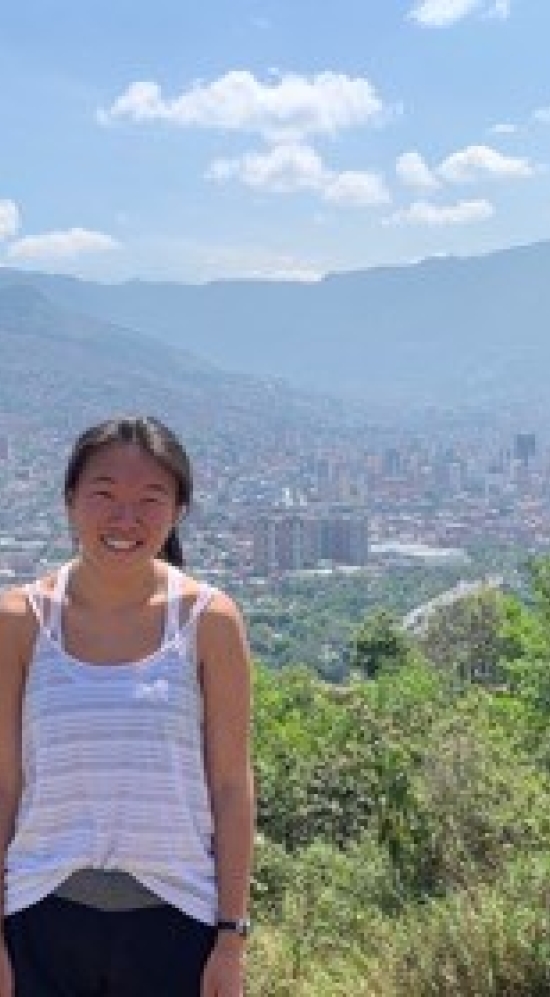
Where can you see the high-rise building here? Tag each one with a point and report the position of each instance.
(285, 542)
(344, 537)
(525, 447)
(293, 540)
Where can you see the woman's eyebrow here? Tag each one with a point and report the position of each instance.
(155, 486)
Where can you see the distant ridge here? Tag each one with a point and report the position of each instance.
(62, 365)
(443, 331)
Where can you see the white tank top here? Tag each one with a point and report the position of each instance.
(113, 766)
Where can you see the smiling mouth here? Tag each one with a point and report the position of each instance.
(113, 543)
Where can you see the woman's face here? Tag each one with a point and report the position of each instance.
(124, 505)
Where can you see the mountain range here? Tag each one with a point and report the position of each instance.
(448, 332)
(63, 368)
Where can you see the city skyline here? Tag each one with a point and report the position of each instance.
(256, 139)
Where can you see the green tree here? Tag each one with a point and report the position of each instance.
(473, 635)
(380, 643)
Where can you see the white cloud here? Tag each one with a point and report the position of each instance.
(286, 169)
(254, 261)
(501, 8)
(475, 162)
(542, 114)
(285, 270)
(423, 213)
(443, 13)
(414, 172)
(440, 13)
(282, 169)
(9, 219)
(504, 128)
(478, 161)
(289, 105)
(274, 268)
(356, 188)
(60, 245)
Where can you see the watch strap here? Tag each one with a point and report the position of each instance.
(240, 925)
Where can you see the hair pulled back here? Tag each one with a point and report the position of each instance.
(156, 440)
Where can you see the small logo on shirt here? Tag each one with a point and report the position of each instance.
(152, 691)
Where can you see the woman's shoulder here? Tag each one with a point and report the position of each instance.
(17, 623)
(217, 614)
(221, 628)
(16, 602)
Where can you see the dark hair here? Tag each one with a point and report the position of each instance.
(155, 439)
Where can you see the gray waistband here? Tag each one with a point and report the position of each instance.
(108, 890)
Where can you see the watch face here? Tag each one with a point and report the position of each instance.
(241, 926)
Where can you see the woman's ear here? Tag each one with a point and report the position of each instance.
(75, 541)
(70, 521)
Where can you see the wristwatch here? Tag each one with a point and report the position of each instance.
(241, 926)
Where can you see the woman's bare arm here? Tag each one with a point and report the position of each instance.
(225, 663)
(16, 638)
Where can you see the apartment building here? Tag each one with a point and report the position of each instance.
(294, 540)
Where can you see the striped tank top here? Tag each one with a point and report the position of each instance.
(113, 766)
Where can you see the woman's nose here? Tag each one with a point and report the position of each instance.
(125, 513)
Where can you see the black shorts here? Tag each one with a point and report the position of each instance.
(61, 948)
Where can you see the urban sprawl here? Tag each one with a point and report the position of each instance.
(304, 503)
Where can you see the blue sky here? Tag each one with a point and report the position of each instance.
(269, 138)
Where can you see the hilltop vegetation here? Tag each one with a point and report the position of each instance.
(404, 818)
(311, 619)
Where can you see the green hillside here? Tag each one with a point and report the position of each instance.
(404, 818)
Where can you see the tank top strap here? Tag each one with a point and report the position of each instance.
(35, 597)
(56, 601)
(172, 619)
(48, 608)
(205, 595)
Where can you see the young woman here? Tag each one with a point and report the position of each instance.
(126, 804)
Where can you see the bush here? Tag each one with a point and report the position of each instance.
(493, 941)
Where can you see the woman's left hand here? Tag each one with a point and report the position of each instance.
(223, 974)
